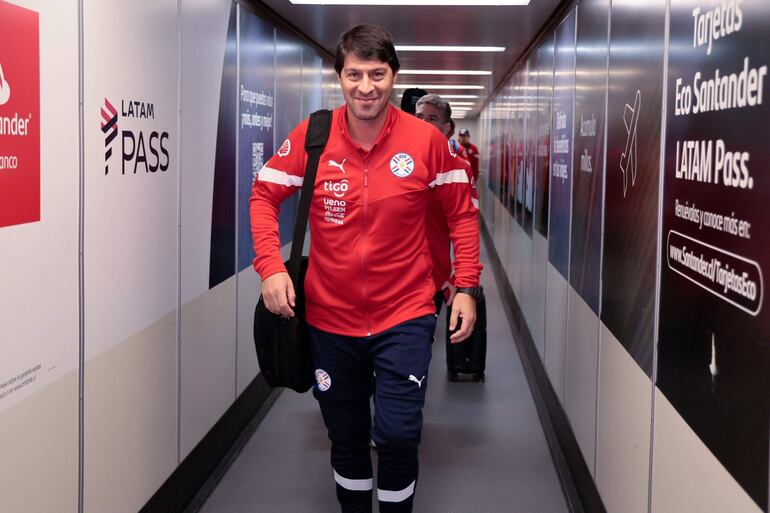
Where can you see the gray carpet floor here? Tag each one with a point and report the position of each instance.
(483, 449)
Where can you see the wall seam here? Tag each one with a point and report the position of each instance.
(569, 223)
(81, 263)
(236, 211)
(658, 259)
(601, 236)
(179, 236)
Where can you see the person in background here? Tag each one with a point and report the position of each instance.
(458, 149)
(410, 97)
(471, 151)
(436, 111)
(369, 286)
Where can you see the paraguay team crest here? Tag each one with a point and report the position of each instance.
(323, 379)
(402, 165)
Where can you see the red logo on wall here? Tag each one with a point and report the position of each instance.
(19, 115)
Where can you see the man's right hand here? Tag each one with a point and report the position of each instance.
(278, 294)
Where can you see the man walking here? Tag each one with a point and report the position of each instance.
(369, 288)
(436, 111)
(471, 152)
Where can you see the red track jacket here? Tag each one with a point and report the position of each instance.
(370, 266)
(438, 232)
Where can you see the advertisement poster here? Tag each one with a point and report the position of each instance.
(494, 183)
(256, 101)
(544, 103)
(561, 146)
(531, 146)
(519, 110)
(19, 115)
(588, 155)
(288, 114)
(507, 157)
(222, 260)
(714, 337)
(632, 174)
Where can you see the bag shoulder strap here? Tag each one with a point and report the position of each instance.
(317, 136)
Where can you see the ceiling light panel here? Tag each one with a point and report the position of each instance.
(438, 86)
(460, 96)
(442, 72)
(430, 48)
(450, 3)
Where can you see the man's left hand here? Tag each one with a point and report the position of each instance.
(463, 307)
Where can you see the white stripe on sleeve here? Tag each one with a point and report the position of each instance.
(475, 203)
(268, 174)
(453, 176)
(396, 496)
(355, 485)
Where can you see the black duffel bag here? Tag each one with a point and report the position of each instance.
(282, 343)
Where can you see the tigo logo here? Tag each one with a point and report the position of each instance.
(5, 89)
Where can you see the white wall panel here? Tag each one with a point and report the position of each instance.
(513, 257)
(39, 336)
(131, 256)
(557, 293)
(204, 29)
(39, 272)
(39, 439)
(539, 267)
(623, 423)
(582, 374)
(131, 420)
(208, 347)
(207, 362)
(527, 298)
(130, 209)
(686, 476)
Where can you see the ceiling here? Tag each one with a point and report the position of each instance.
(512, 27)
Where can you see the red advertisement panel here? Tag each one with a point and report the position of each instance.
(19, 115)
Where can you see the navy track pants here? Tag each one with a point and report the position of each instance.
(398, 359)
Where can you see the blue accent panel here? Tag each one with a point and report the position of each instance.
(256, 98)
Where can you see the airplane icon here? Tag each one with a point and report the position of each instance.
(628, 158)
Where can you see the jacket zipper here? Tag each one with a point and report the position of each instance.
(363, 245)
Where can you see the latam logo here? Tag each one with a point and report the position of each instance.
(143, 148)
(110, 130)
(19, 115)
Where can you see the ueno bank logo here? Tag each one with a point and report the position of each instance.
(142, 148)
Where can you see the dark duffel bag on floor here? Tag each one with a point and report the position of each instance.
(469, 356)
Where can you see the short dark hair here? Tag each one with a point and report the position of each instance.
(441, 104)
(367, 42)
(410, 97)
